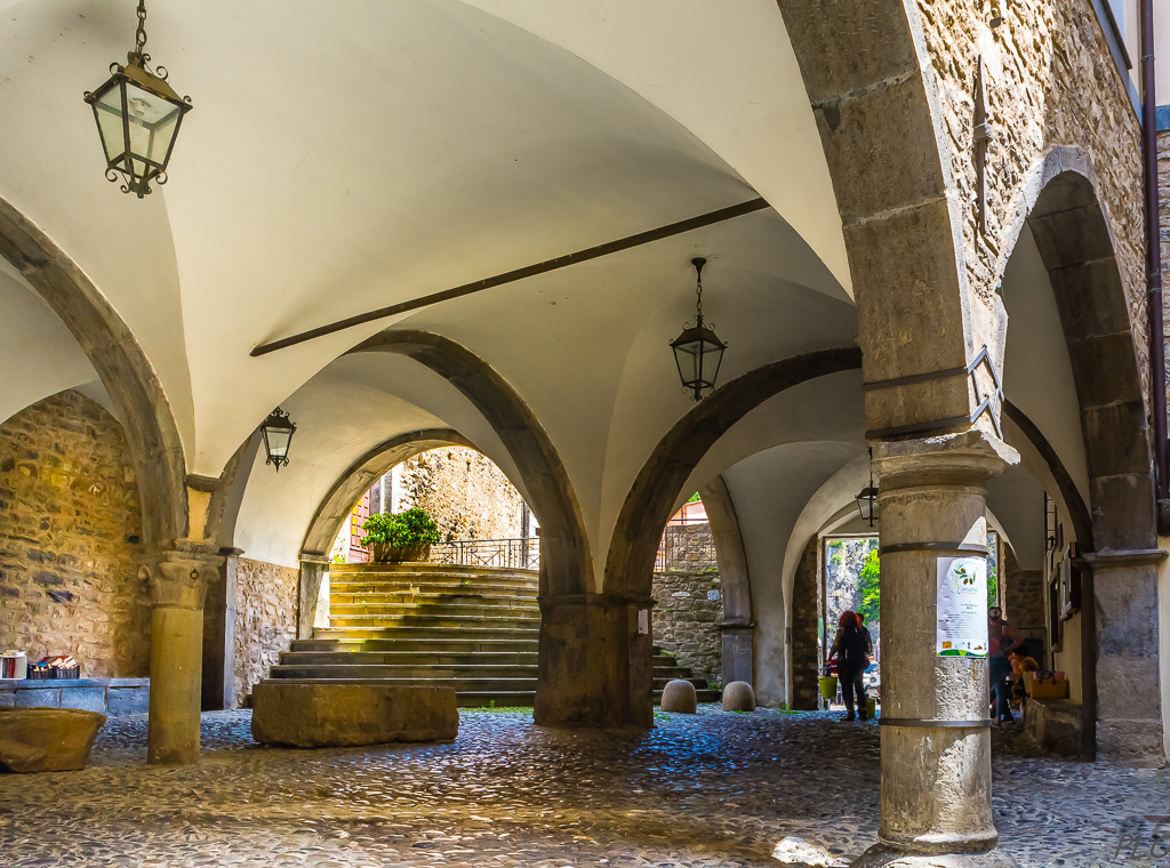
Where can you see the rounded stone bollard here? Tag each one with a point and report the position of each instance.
(679, 696)
(739, 696)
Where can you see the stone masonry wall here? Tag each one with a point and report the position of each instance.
(266, 620)
(1164, 234)
(69, 527)
(1050, 81)
(463, 490)
(806, 641)
(685, 616)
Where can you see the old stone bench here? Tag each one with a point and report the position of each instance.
(1054, 726)
(323, 714)
(47, 739)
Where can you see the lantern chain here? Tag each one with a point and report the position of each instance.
(699, 263)
(140, 34)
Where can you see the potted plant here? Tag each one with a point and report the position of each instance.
(405, 536)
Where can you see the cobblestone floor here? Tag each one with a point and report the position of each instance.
(704, 790)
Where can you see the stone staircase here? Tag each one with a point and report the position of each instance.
(474, 628)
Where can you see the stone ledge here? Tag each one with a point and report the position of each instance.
(347, 715)
(1054, 725)
(110, 696)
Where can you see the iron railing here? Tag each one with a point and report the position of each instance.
(512, 554)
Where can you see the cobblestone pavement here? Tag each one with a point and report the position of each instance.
(712, 789)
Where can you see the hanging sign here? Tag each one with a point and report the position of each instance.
(962, 607)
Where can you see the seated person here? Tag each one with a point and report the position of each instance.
(1021, 663)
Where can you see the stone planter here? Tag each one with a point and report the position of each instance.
(384, 553)
(47, 739)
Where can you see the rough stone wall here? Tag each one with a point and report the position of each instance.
(1022, 593)
(686, 618)
(806, 641)
(69, 526)
(467, 495)
(266, 620)
(1164, 234)
(1050, 81)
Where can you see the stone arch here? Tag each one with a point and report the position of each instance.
(360, 475)
(1119, 635)
(738, 624)
(630, 561)
(151, 432)
(565, 564)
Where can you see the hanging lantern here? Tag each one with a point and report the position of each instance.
(698, 351)
(278, 431)
(138, 116)
(867, 502)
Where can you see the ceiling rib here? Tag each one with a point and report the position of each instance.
(547, 265)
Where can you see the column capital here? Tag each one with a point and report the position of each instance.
(315, 558)
(179, 577)
(969, 456)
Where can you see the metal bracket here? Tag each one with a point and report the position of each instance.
(986, 401)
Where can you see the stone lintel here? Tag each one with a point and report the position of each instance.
(1110, 558)
(736, 626)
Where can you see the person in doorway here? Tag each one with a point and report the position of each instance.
(1002, 639)
(851, 648)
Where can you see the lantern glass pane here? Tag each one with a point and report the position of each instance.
(712, 357)
(108, 111)
(688, 357)
(153, 123)
(276, 441)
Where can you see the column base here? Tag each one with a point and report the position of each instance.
(885, 856)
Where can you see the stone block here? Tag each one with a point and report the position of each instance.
(739, 696)
(84, 698)
(47, 739)
(7, 698)
(127, 700)
(1054, 726)
(680, 696)
(320, 715)
(41, 697)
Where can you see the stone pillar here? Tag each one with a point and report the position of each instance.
(219, 635)
(805, 650)
(178, 586)
(935, 740)
(595, 661)
(314, 566)
(738, 652)
(1123, 663)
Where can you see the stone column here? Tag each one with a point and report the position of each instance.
(1121, 674)
(595, 666)
(314, 566)
(178, 586)
(737, 652)
(219, 629)
(935, 740)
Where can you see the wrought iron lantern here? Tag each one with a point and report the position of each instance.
(138, 117)
(278, 431)
(867, 500)
(698, 352)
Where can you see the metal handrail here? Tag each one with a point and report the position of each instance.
(514, 554)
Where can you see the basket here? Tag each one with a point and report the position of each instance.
(828, 685)
(62, 674)
(39, 673)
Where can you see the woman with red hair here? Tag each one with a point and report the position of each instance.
(852, 648)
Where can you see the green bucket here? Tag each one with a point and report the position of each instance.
(828, 686)
(870, 707)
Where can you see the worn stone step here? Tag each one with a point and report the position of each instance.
(421, 621)
(435, 606)
(426, 633)
(428, 657)
(489, 671)
(445, 573)
(400, 588)
(460, 684)
(416, 596)
(445, 644)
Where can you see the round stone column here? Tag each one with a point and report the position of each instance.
(935, 740)
(178, 586)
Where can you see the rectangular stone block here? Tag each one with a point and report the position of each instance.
(321, 715)
(127, 700)
(7, 698)
(84, 698)
(47, 697)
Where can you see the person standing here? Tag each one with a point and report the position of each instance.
(852, 647)
(1002, 638)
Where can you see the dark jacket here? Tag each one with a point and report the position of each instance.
(852, 648)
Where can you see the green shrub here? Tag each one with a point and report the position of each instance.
(411, 528)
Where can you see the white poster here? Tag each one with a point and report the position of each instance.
(962, 607)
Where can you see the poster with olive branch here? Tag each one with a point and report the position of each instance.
(962, 607)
